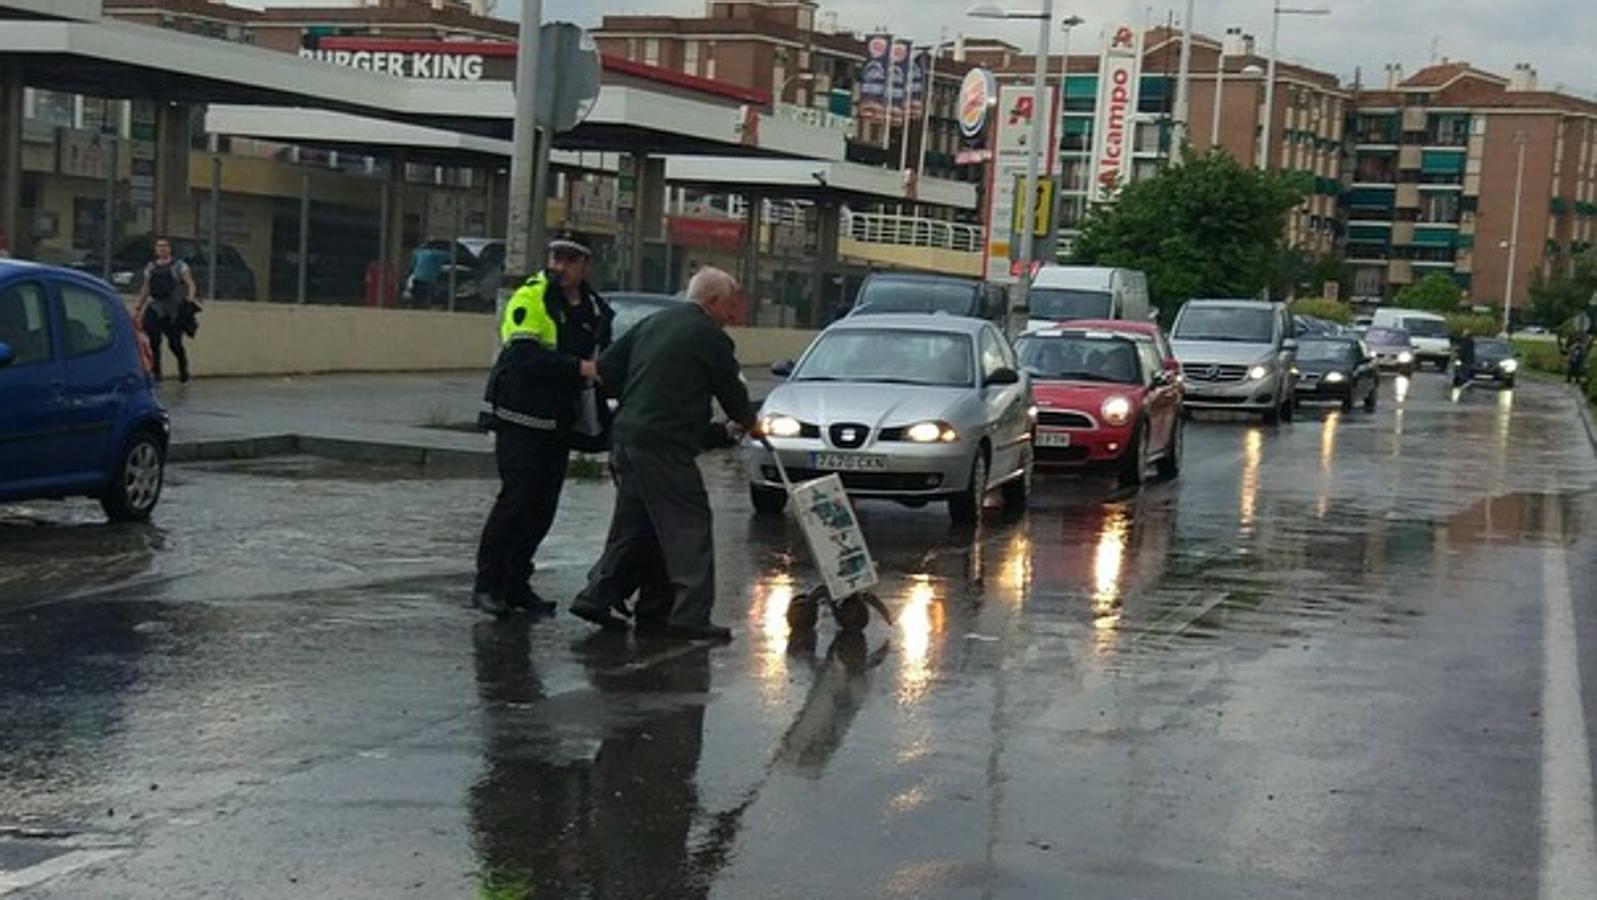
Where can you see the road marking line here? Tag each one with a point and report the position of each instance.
(1569, 835)
(54, 867)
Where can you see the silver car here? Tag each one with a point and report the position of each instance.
(1237, 355)
(911, 408)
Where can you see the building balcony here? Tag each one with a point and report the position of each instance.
(1408, 196)
(1403, 233)
(1400, 271)
(1409, 157)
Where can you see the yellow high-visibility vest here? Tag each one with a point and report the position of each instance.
(526, 315)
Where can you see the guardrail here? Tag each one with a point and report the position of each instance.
(912, 231)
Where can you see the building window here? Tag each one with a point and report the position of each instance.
(651, 51)
(690, 57)
(709, 59)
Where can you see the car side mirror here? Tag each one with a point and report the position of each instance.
(1003, 377)
(1290, 344)
(782, 368)
(1163, 378)
(7, 355)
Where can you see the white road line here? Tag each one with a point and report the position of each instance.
(53, 868)
(1569, 835)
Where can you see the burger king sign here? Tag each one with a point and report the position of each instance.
(976, 96)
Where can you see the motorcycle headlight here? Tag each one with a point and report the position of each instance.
(781, 426)
(1117, 410)
(1405, 358)
(931, 433)
(1510, 366)
(1259, 373)
(1335, 378)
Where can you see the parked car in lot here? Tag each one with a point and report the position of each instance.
(80, 415)
(1237, 355)
(1494, 361)
(1427, 331)
(1103, 397)
(632, 307)
(1338, 369)
(234, 278)
(886, 293)
(911, 408)
(478, 264)
(1394, 349)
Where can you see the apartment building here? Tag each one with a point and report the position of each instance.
(1433, 163)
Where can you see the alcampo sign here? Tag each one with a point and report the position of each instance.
(1119, 79)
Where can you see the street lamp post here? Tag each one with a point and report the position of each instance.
(1069, 24)
(1269, 80)
(1513, 231)
(1034, 148)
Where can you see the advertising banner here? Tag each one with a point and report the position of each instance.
(834, 536)
(1120, 75)
(873, 77)
(1011, 148)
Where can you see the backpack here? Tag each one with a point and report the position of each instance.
(163, 282)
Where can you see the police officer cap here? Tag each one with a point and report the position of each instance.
(571, 242)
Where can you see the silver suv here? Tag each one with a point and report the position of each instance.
(1237, 355)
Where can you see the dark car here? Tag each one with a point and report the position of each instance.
(80, 415)
(1493, 360)
(234, 278)
(1337, 369)
(895, 292)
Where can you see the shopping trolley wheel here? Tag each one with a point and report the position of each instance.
(802, 613)
(852, 614)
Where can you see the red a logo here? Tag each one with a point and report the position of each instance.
(1124, 37)
(1022, 110)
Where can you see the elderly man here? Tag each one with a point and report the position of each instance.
(666, 370)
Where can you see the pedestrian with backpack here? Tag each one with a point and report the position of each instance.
(166, 302)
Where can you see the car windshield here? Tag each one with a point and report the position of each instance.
(1387, 337)
(1080, 358)
(1492, 350)
(1237, 324)
(1425, 328)
(890, 357)
(1326, 351)
(630, 310)
(956, 298)
(1065, 304)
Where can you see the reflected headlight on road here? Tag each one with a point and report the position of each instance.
(1510, 365)
(1335, 378)
(1405, 358)
(1117, 410)
(781, 426)
(1259, 373)
(931, 433)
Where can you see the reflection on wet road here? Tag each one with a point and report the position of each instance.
(1310, 666)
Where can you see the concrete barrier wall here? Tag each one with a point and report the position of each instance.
(281, 339)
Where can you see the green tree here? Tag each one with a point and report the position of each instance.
(1436, 292)
(1207, 228)
(1556, 299)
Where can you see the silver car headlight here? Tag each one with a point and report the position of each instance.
(1405, 358)
(1117, 410)
(1335, 378)
(1259, 373)
(781, 426)
(1510, 365)
(931, 433)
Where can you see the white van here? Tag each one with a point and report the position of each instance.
(1070, 293)
(1427, 331)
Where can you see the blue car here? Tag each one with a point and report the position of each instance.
(78, 415)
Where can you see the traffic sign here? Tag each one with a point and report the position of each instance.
(1041, 207)
(568, 76)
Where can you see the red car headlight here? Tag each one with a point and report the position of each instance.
(1117, 410)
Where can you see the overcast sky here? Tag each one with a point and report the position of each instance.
(1557, 36)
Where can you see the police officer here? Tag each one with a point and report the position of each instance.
(538, 404)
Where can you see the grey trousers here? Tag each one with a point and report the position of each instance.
(661, 508)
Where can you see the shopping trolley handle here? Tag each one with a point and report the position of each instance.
(776, 460)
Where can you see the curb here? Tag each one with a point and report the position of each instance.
(441, 462)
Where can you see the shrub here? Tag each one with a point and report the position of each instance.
(1542, 356)
(1329, 310)
(1477, 325)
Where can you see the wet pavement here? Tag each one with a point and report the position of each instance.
(1331, 660)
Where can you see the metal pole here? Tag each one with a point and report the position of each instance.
(109, 245)
(1070, 24)
(382, 247)
(454, 250)
(520, 253)
(1033, 159)
(1513, 233)
(216, 219)
(1219, 93)
(926, 114)
(1184, 84)
(540, 199)
(1269, 90)
(887, 109)
(304, 232)
(909, 88)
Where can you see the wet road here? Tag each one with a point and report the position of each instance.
(1335, 659)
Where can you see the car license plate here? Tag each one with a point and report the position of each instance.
(1053, 439)
(849, 462)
